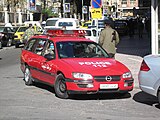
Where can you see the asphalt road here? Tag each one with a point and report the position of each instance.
(20, 102)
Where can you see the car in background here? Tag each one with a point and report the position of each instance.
(6, 36)
(18, 35)
(149, 76)
(91, 34)
(121, 27)
(73, 64)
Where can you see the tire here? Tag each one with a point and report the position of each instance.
(27, 77)
(9, 43)
(60, 87)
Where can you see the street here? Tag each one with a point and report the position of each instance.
(21, 102)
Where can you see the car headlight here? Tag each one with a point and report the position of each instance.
(127, 75)
(83, 76)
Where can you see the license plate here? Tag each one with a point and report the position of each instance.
(108, 86)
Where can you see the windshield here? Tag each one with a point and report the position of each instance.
(1, 29)
(80, 50)
(51, 22)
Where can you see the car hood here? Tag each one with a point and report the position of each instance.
(95, 66)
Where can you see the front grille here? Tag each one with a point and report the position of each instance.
(103, 78)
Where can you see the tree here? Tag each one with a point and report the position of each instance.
(47, 13)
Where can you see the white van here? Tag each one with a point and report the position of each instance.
(69, 23)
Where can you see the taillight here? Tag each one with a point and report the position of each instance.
(144, 66)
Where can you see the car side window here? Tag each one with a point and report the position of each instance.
(40, 46)
(50, 49)
(30, 45)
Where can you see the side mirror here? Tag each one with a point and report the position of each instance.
(49, 56)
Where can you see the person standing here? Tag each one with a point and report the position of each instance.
(109, 38)
(28, 33)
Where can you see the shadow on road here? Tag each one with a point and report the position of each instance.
(147, 99)
(45, 87)
(108, 96)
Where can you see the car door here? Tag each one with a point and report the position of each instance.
(48, 66)
(44, 68)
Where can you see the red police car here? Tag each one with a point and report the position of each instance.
(72, 64)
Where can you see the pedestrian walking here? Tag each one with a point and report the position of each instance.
(109, 38)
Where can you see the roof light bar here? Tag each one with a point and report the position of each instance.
(66, 33)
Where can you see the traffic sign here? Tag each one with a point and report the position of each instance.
(66, 7)
(96, 13)
(96, 3)
(84, 11)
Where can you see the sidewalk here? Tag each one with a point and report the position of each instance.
(130, 51)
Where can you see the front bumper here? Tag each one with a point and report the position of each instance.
(93, 87)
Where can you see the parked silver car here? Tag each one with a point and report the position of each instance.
(149, 75)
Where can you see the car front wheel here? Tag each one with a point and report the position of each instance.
(60, 87)
(27, 76)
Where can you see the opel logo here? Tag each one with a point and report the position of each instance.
(108, 78)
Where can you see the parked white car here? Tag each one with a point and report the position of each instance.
(69, 23)
(149, 75)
